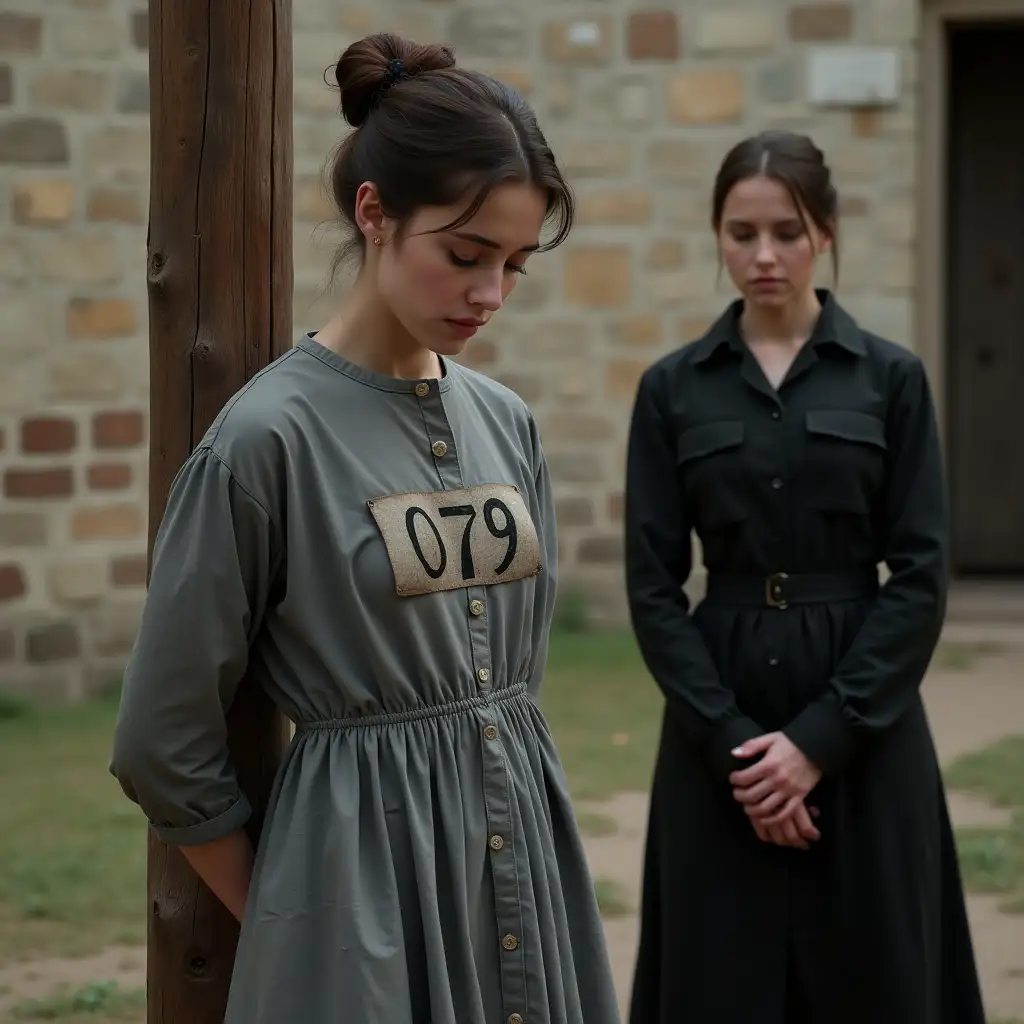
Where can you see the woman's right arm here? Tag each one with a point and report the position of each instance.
(658, 562)
(212, 571)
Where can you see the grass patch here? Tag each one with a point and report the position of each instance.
(596, 825)
(72, 849)
(611, 898)
(605, 712)
(953, 656)
(84, 1004)
(992, 859)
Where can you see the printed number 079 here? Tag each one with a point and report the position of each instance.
(506, 532)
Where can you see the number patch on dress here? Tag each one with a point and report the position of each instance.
(444, 540)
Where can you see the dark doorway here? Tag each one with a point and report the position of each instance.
(985, 296)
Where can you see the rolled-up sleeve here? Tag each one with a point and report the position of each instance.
(212, 570)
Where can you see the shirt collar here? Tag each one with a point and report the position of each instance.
(834, 327)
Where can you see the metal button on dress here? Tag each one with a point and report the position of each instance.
(439, 448)
(476, 607)
(490, 732)
(510, 942)
(776, 415)
(777, 483)
(515, 1018)
(773, 662)
(496, 842)
(483, 675)
(422, 389)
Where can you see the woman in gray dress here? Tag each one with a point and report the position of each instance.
(367, 531)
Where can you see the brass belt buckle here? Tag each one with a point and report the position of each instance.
(773, 590)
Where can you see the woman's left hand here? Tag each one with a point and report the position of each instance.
(772, 790)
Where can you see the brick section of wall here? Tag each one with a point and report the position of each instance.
(639, 102)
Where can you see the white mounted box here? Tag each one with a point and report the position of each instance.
(853, 76)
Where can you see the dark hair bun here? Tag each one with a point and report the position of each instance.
(368, 67)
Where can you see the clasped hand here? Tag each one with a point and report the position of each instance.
(772, 791)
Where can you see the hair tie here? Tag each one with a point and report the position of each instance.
(396, 72)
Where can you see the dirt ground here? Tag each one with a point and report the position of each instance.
(968, 710)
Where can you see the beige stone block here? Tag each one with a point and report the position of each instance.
(23, 530)
(556, 339)
(577, 426)
(594, 157)
(118, 152)
(75, 90)
(621, 206)
(598, 277)
(576, 467)
(107, 522)
(102, 318)
(623, 376)
(21, 323)
(116, 205)
(895, 270)
(80, 376)
(78, 582)
(312, 199)
(896, 222)
(736, 30)
(532, 292)
(518, 76)
(19, 386)
(681, 161)
(14, 260)
(584, 41)
(666, 254)
(561, 94)
(893, 21)
(492, 30)
(43, 202)
(706, 97)
(88, 35)
(641, 330)
(81, 259)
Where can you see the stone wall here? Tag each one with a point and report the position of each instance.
(639, 103)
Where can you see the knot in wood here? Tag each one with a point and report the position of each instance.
(198, 965)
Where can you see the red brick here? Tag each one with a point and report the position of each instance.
(129, 571)
(820, 23)
(653, 35)
(38, 483)
(109, 476)
(48, 434)
(110, 522)
(20, 33)
(12, 582)
(117, 429)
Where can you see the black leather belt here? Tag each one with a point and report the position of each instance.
(781, 589)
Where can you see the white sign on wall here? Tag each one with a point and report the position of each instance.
(854, 76)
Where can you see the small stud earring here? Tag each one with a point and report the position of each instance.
(376, 240)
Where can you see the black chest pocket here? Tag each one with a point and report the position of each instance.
(844, 468)
(712, 473)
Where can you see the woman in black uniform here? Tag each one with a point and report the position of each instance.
(800, 862)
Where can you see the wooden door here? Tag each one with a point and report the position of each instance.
(985, 297)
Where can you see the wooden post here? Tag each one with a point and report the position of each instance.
(220, 300)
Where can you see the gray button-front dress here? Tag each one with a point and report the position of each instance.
(380, 555)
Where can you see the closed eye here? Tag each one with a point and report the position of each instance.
(460, 262)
